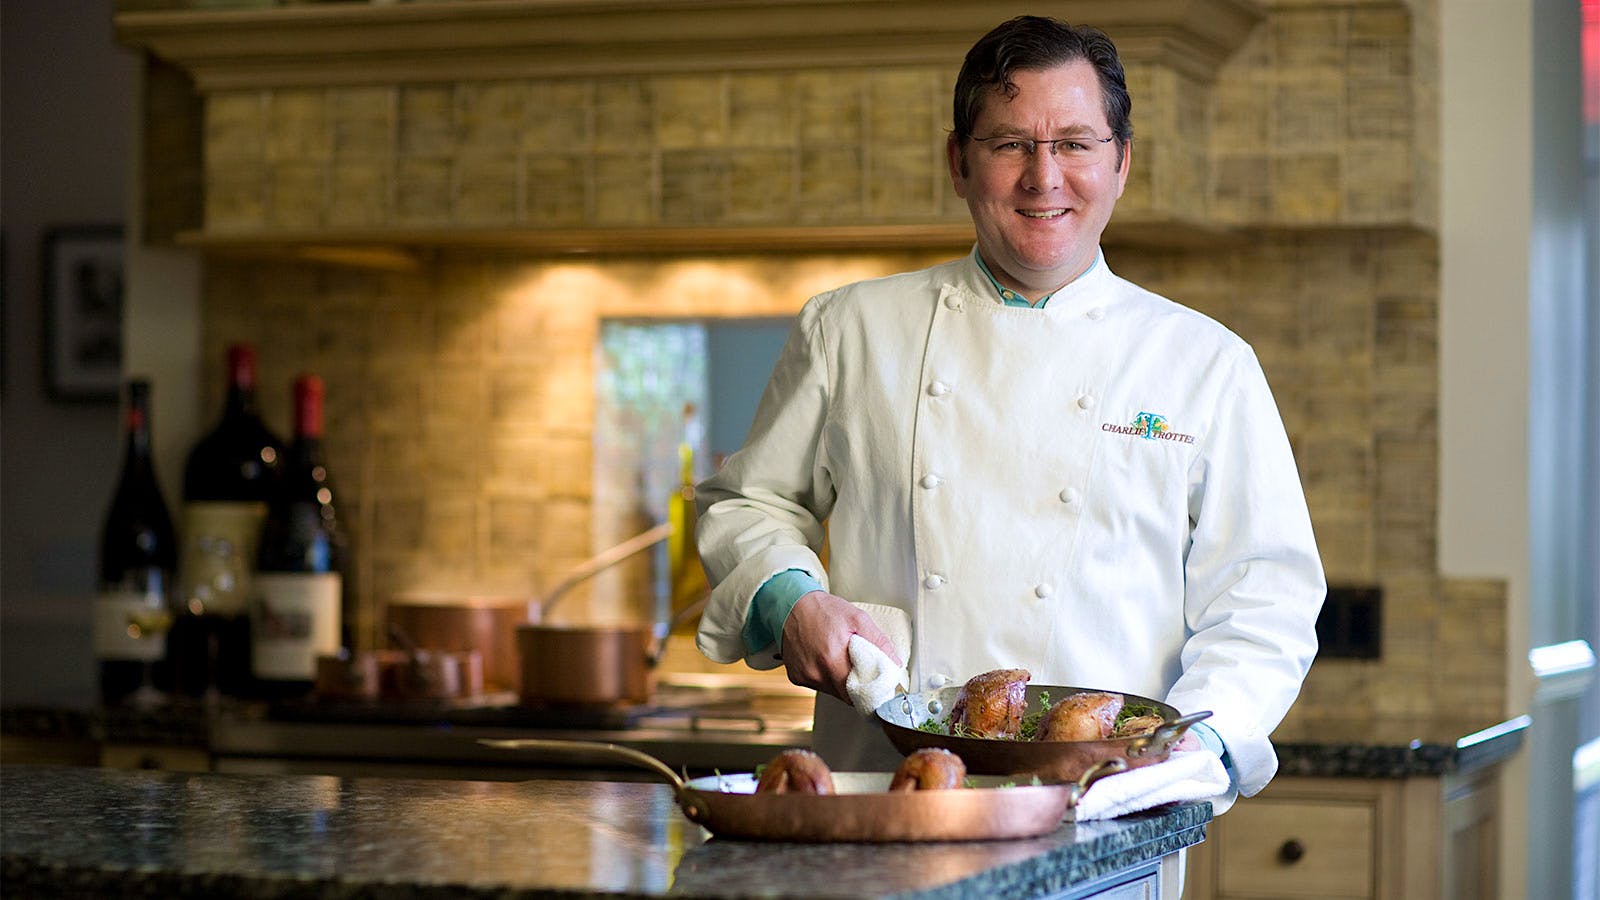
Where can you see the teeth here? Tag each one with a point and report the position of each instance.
(1046, 214)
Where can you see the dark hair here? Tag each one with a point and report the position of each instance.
(1033, 43)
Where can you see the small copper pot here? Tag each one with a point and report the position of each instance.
(590, 665)
(585, 665)
(433, 675)
(459, 623)
(348, 676)
(593, 665)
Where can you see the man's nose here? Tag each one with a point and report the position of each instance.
(1044, 168)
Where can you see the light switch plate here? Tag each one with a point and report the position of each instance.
(1350, 625)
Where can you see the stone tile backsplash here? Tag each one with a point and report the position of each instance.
(462, 394)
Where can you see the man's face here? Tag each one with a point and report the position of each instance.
(1039, 217)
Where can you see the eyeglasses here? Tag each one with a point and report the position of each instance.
(1011, 149)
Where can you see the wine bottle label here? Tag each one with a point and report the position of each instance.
(295, 619)
(130, 626)
(219, 550)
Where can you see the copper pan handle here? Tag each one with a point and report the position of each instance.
(1165, 735)
(1109, 766)
(597, 564)
(589, 750)
(689, 801)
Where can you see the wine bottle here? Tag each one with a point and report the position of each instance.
(685, 573)
(227, 481)
(296, 612)
(138, 557)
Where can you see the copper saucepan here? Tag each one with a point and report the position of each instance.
(906, 719)
(592, 665)
(462, 621)
(862, 810)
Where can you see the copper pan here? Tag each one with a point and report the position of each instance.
(591, 665)
(862, 810)
(460, 622)
(901, 715)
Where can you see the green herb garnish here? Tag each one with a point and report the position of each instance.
(931, 726)
(1134, 710)
(960, 730)
(1029, 729)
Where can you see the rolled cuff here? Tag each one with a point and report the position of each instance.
(770, 608)
(1249, 756)
(721, 634)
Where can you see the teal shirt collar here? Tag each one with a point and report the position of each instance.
(1012, 298)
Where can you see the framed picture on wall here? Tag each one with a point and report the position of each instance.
(82, 271)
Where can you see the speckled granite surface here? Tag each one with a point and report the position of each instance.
(1394, 748)
(98, 832)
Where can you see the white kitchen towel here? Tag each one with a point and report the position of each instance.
(874, 677)
(895, 623)
(1186, 775)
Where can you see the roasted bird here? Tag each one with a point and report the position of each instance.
(1133, 726)
(795, 772)
(1090, 716)
(991, 705)
(929, 769)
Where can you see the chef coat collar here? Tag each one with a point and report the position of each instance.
(1085, 285)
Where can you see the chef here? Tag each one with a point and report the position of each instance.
(1020, 458)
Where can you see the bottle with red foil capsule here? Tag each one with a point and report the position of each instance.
(298, 588)
(138, 557)
(227, 480)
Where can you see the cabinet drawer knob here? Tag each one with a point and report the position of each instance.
(1291, 851)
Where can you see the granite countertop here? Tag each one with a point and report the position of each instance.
(68, 831)
(1394, 748)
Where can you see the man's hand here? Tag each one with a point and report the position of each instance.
(816, 641)
(1189, 741)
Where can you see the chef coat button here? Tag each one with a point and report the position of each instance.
(1069, 496)
(1095, 313)
(951, 302)
(937, 680)
(1043, 591)
(931, 480)
(1086, 402)
(938, 389)
(933, 581)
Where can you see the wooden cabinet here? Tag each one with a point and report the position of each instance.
(1357, 838)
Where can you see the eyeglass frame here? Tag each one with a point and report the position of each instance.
(1032, 144)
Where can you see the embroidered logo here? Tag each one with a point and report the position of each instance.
(1151, 423)
(1151, 427)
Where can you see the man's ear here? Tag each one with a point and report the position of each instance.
(1127, 166)
(953, 156)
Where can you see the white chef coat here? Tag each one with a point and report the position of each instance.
(1100, 491)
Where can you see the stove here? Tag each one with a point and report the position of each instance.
(698, 725)
(502, 710)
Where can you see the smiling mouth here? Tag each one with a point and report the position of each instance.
(1042, 213)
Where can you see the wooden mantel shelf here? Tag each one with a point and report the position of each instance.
(411, 249)
(445, 40)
